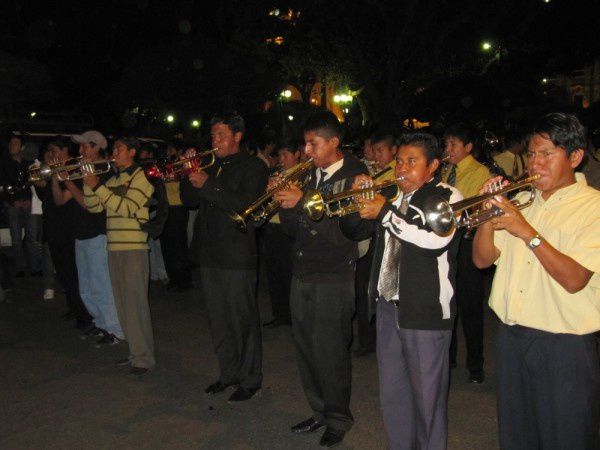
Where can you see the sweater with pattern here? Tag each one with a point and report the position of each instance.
(124, 197)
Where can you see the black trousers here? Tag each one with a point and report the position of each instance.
(173, 243)
(62, 251)
(322, 331)
(366, 328)
(278, 249)
(548, 390)
(469, 302)
(230, 297)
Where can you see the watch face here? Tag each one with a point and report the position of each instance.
(535, 242)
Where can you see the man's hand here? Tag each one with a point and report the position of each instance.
(197, 179)
(289, 197)
(360, 181)
(512, 220)
(371, 208)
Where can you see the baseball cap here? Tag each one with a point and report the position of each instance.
(90, 137)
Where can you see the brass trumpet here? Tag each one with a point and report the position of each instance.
(346, 202)
(443, 217)
(265, 205)
(69, 170)
(177, 169)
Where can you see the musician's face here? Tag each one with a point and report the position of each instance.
(368, 150)
(14, 146)
(122, 155)
(411, 163)
(89, 150)
(226, 141)
(555, 167)
(56, 153)
(456, 149)
(384, 154)
(324, 151)
(287, 159)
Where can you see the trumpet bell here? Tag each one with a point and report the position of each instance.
(314, 206)
(439, 215)
(239, 221)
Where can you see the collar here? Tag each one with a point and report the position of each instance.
(230, 158)
(564, 192)
(130, 170)
(333, 168)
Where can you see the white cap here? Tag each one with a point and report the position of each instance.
(91, 137)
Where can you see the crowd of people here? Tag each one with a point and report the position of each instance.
(106, 233)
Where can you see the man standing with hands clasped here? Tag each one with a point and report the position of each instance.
(546, 293)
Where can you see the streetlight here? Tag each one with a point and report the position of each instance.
(290, 117)
(486, 46)
(170, 118)
(195, 123)
(33, 114)
(545, 80)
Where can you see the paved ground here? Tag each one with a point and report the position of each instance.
(58, 391)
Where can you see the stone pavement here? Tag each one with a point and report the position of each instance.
(57, 391)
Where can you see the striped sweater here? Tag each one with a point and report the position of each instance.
(124, 197)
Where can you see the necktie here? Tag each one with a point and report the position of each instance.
(390, 265)
(322, 177)
(451, 180)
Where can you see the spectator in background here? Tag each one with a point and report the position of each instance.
(511, 160)
(17, 205)
(278, 248)
(468, 175)
(158, 272)
(174, 238)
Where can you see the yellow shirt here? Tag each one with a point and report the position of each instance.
(506, 161)
(470, 176)
(389, 175)
(172, 190)
(524, 293)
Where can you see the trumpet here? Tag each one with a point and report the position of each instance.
(443, 217)
(265, 205)
(346, 202)
(177, 169)
(69, 170)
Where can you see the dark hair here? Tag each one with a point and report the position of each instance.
(383, 136)
(428, 142)
(564, 130)
(325, 124)
(292, 145)
(60, 142)
(130, 142)
(234, 121)
(463, 132)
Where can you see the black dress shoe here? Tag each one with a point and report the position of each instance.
(138, 371)
(362, 351)
(331, 437)
(307, 426)
(272, 324)
(123, 362)
(217, 388)
(476, 376)
(242, 394)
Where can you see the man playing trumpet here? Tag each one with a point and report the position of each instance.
(546, 293)
(413, 282)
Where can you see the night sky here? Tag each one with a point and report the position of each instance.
(89, 47)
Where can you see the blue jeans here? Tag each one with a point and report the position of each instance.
(19, 221)
(95, 288)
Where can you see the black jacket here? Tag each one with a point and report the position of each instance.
(321, 252)
(427, 285)
(234, 183)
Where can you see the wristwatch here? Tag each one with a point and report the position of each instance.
(535, 242)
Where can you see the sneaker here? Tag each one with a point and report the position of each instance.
(92, 331)
(108, 339)
(48, 294)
